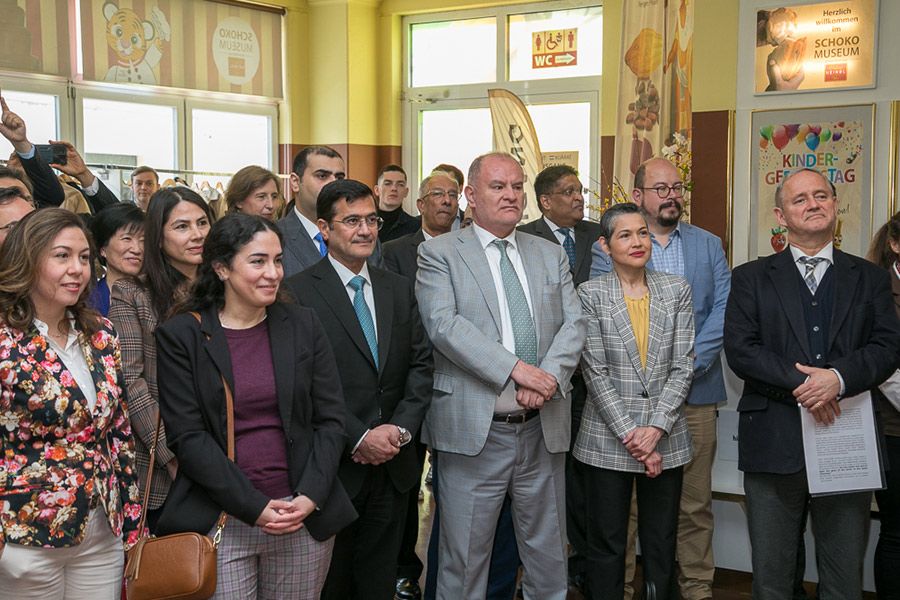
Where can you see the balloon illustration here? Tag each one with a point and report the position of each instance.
(825, 135)
(780, 137)
(812, 141)
(792, 130)
(836, 136)
(763, 143)
(766, 132)
(802, 132)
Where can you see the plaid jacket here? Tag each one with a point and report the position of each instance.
(622, 394)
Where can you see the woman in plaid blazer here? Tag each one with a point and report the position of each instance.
(637, 363)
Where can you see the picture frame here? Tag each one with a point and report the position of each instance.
(894, 167)
(835, 140)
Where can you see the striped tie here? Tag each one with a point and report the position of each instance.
(810, 275)
(522, 323)
(363, 314)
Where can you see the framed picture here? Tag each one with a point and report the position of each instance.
(836, 141)
(894, 168)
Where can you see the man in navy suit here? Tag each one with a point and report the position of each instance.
(695, 254)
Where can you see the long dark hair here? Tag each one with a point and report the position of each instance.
(161, 279)
(226, 238)
(880, 251)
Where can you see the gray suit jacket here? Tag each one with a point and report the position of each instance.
(622, 394)
(461, 314)
(301, 252)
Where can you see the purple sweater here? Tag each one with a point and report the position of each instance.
(259, 444)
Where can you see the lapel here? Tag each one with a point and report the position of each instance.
(281, 342)
(689, 250)
(300, 244)
(583, 243)
(620, 318)
(846, 278)
(541, 229)
(472, 254)
(657, 319)
(786, 281)
(533, 263)
(383, 293)
(216, 344)
(329, 286)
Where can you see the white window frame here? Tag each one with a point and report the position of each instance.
(43, 84)
(540, 91)
(259, 107)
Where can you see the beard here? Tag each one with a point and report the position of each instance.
(665, 221)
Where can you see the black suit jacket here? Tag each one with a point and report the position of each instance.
(586, 233)
(401, 256)
(766, 334)
(398, 389)
(192, 358)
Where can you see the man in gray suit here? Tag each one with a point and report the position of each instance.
(682, 249)
(507, 330)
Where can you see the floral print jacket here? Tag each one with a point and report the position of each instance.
(55, 450)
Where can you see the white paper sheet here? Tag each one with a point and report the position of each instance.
(844, 456)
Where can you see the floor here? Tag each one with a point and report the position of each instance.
(728, 585)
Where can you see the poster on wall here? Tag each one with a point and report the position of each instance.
(183, 43)
(837, 142)
(34, 36)
(816, 46)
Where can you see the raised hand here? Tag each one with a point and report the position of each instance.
(12, 127)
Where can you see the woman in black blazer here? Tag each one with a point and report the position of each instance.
(282, 495)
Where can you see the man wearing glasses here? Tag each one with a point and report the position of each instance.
(695, 254)
(14, 205)
(384, 359)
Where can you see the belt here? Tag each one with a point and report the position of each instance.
(516, 418)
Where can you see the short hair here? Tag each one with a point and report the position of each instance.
(612, 214)
(10, 173)
(790, 174)
(880, 251)
(245, 182)
(298, 167)
(20, 263)
(455, 172)
(434, 174)
(549, 177)
(475, 167)
(111, 219)
(388, 169)
(337, 190)
(144, 169)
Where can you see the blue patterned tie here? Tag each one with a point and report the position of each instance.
(568, 245)
(363, 314)
(810, 275)
(323, 249)
(522, 323)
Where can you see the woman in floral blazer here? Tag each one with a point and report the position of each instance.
(68, 490)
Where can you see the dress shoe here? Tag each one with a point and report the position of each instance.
(407, 589)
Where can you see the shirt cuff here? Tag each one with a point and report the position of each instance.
(27, 155)
(841, 379)
(356, 447)
(92, 189)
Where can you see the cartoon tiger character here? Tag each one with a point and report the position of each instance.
(136, 43)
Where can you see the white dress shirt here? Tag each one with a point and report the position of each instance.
(555, 229)
(311, 228)
(506, 401)
(72, 358)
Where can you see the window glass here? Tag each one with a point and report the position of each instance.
(39, 111)
(565, 127)
(454, 137)
(130, 133)
(453, 52)
(561, 43)
(227, 141)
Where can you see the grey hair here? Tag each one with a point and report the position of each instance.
(780, 188)
(433, 175)
(612, 214)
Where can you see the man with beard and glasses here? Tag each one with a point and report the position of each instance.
(682, 249)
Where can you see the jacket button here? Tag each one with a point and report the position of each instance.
(644, 394)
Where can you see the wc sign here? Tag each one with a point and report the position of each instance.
(557, 48)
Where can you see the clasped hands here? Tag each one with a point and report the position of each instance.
(285, 516)
(819, 393)
(641, 444)
(534, 386)
(380, 445)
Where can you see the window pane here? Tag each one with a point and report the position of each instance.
(129, 133)
(227, 142)
(454, 52)
(574, 48)
(454, 137)
(39, 111)
(562, 127)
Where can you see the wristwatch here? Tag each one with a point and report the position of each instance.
(405, 436)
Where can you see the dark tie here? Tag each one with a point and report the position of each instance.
(522, 323)
(323, 249)
(568, 245)
(810, 275)
(364, 315)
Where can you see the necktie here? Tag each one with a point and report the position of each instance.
(810, 275)
(363, 314)
(323, 249)
(522, 323)
(568, 245)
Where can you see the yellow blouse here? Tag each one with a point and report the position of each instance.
(639, 313)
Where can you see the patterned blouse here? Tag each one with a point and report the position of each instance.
(56, 454)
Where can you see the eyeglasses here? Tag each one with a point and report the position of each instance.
(662, 190)
(572, 192)
(354, 222)
(438, 194)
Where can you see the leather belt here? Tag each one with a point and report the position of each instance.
(516, 418)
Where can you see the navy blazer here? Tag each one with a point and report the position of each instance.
(706, 269)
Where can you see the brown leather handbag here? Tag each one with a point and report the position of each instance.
(181, 566)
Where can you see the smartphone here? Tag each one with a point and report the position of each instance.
(53, 154)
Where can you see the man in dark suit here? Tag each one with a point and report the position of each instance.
(390, 192)
(560, 196)
(807, 327)
(384, 360)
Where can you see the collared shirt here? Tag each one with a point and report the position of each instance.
(426, 235)
(668, 258)
(506, 401)
(555, 229)
(311, 228)
(819, 272)
(72, 357)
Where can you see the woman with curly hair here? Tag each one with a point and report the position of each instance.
(68, 489)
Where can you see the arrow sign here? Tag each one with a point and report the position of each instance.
(564, 59)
